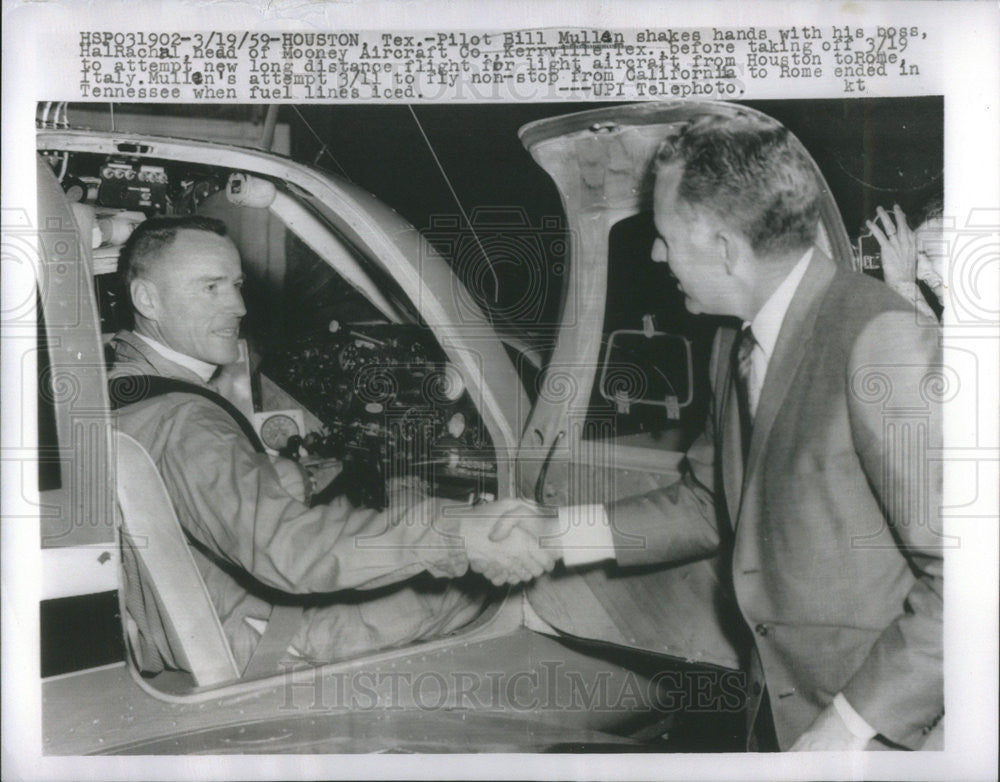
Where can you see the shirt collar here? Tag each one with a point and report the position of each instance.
(766, 324)
(202, 369)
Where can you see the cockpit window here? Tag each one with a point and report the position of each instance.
(315, 295)
(379, 278)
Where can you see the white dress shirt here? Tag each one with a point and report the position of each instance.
(202, 369)
(766, 325)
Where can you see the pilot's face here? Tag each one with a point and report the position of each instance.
(687, 240)
(198, 304)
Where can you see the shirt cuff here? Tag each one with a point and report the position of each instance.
(855, 722)
(586, 535)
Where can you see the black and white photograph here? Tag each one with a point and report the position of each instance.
(578, 436)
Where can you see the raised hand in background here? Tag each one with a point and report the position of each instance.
(909, 254)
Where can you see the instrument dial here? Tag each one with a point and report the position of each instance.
(276, 430)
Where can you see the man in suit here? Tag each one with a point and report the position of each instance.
(812, 468)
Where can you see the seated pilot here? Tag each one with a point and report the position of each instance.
(253, 537)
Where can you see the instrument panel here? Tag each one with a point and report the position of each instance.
(392, 407)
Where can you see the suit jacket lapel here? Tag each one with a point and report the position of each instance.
(793, 340)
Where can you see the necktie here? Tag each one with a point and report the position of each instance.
(744, 348)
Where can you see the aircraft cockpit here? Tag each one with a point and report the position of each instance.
(338, 370)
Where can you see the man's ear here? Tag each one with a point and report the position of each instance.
(730, 248)
(145, 297)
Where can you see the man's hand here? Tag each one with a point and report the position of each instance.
(538, 521)
(828, 732)
(898, 245)
(502, 540)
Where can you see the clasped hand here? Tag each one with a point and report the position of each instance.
(510, 541)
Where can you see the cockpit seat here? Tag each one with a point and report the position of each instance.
(156, 551)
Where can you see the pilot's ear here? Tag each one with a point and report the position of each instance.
(145, 297)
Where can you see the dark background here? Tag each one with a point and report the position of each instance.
(872, 152)
(456, 162)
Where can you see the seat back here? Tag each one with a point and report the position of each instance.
(194, 632)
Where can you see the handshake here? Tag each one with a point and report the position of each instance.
(511, 541)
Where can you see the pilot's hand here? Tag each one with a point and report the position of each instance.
(511, 556)
(828, 732)
(538, 521)
(293, 478)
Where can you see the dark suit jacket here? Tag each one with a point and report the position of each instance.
(833, 526)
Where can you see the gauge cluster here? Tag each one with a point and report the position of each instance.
(392, 407)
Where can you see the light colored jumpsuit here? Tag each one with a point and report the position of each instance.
(256, 544)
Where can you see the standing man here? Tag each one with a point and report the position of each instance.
(813, 464)
(255, 539)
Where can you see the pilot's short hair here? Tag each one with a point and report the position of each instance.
(752, 173)
(154, 235)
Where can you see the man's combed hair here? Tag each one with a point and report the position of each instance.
(154, 235)
(753, 174)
